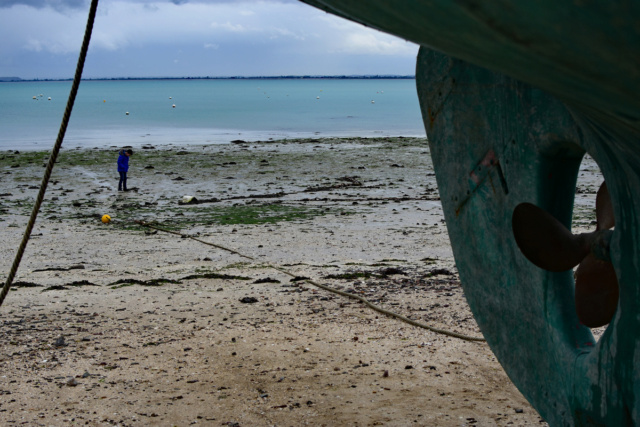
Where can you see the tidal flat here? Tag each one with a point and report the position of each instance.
(207, 316)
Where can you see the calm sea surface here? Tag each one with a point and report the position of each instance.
(206, 111)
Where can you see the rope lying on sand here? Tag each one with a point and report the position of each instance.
(327, 288)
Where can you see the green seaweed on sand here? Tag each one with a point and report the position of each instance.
(184, 218)
(215, 276)
(380, 274)
(130, 282)
(238, 265)
(261, 214)
(352, 275)
(23, 284)
(122, 283)
(23, 158)
(79, 283)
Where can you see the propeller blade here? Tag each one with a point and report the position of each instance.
(596, 292)
(604, 209)
(545, 241)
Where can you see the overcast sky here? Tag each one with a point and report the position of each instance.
(161, 38)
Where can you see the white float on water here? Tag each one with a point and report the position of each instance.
(127, 113)
(173, 106)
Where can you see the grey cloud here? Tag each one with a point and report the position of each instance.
(77, 4)
(39, 4)
(179, 2)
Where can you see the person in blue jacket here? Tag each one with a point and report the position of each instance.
(123, 167)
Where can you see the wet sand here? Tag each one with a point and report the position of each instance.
(120, 324)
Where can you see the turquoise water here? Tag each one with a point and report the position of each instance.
(206, 111)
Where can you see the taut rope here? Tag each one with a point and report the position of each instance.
(54, 152)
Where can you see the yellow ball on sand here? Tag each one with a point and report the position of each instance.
(106, 218)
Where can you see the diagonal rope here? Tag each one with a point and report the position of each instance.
(327, 288)
(54, 152)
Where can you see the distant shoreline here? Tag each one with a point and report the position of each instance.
(304, 77)
(156, 143)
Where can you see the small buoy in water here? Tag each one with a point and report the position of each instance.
(106, 218)
(173, 106)
(104, 100)
(373, 102)
(35, 97)
(317, 97)
(171, 97)
(49, 98)
(127, 113)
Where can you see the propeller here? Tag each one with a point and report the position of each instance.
(548, 244)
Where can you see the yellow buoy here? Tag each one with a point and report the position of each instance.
(106, 218)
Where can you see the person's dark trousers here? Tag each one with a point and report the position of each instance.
(122, 185)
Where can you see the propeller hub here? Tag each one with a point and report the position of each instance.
(601, 243)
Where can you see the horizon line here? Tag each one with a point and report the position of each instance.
(305, 76)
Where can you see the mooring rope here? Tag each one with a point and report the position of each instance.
(54, 152)
(327, 288)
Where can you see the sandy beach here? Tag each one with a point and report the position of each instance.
(122, 324)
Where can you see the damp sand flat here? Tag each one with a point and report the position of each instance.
(122, 324)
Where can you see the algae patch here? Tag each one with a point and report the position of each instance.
(181, 218)
(260, 214)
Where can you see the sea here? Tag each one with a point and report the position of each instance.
(109, 113)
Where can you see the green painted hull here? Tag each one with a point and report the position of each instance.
(551, 80)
